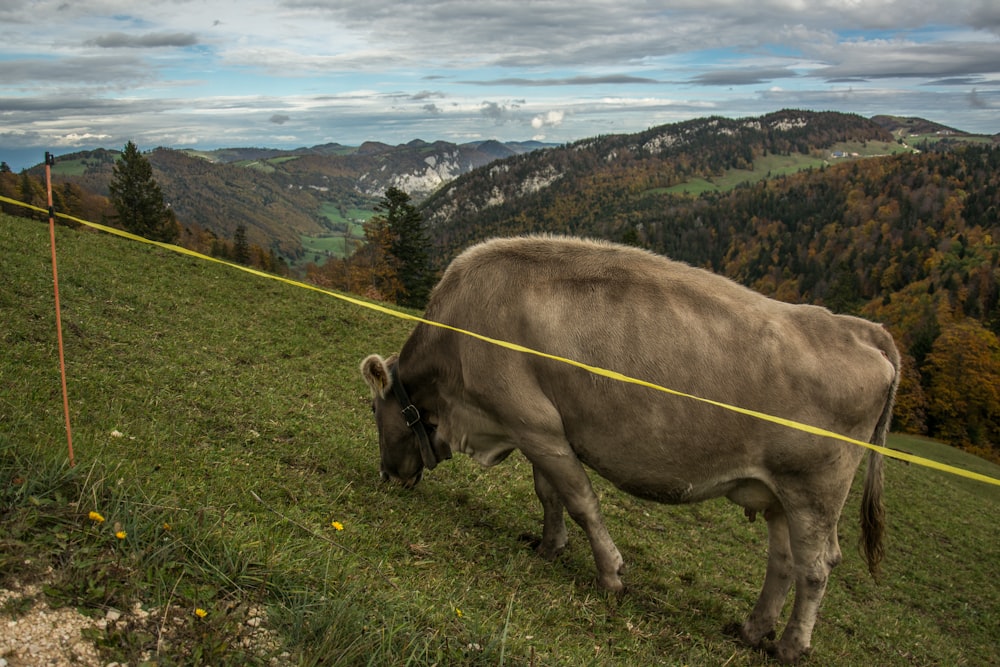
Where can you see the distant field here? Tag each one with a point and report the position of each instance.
(320, 248)
(777, 165)
(915, 140)
(332, 212)
(69, 168)
(348, 233)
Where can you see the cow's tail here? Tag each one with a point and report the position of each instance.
(872, 506)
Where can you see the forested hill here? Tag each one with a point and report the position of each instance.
(281, 196)
(910, 239)
(610, 185)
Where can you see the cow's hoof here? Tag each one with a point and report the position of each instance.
(550, 551)
(612, 583)
(533, 541)
(787, 655)
(739, 631)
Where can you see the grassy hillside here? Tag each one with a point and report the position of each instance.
(194, 386)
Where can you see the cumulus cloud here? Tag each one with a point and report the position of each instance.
(499, 112)
(550, 119)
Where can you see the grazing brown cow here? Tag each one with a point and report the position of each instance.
(663, 322)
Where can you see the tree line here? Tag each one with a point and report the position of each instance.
(135, 203)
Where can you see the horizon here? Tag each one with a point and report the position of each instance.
(29, 158)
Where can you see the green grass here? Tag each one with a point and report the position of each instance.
(319, 248)
(333, 212)
(70, 168)
(773, 165)
(194, 386)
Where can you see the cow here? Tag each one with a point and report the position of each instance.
(665, 323)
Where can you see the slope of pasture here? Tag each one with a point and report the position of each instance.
(194, 386)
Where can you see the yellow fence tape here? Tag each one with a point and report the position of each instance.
(614, 375)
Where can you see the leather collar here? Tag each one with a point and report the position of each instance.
(431, 453)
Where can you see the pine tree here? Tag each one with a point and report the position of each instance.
(241, 248)
(137, 199)
(409, 246)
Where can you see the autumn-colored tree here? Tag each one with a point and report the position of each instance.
(964, 372)
(373, 265)
(910, 411)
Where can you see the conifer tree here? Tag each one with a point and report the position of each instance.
(137, 199)
(409, 246)
(241, 247)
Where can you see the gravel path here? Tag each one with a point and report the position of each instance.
(33, 634)
(45, 636)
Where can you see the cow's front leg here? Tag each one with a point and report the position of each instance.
(565, 473)
(553, 521)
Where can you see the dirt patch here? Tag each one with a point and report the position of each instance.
(33, 633)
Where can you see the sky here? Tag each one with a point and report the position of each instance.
(81, 74)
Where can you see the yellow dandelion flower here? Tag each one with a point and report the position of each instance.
(337, 525)
(94, 516)
(200, 613)
(121, 535)
(166, 526)
(458, 612)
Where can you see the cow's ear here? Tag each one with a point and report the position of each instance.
(376, 373)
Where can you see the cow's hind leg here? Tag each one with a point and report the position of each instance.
(813, 538)
(560, 466)
(777, 581)
(553, 522)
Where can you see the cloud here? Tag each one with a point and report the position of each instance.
(976, 100)
(498, 112)
(106, 71)
(568, 81)
(121, 40)
(882, 59)
(742, 77)
(232, 72)
(550, 119)
(426, 95)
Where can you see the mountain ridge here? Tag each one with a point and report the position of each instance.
(284, 198)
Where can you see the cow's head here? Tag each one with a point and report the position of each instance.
(405, 446)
